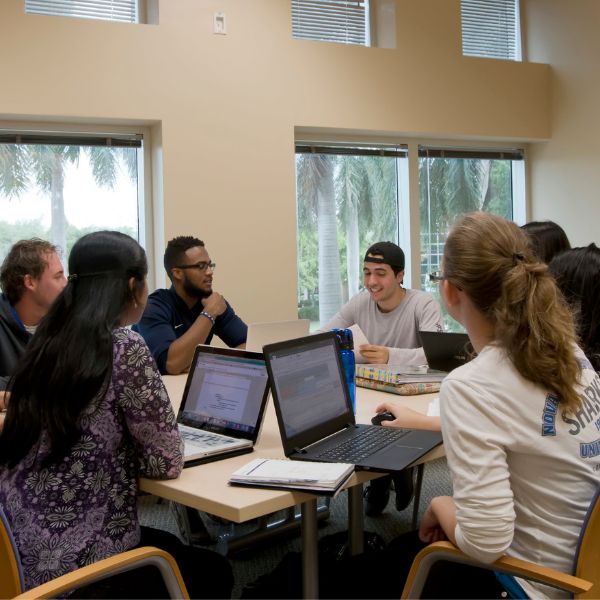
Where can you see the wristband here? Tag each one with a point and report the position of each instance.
(208, 316)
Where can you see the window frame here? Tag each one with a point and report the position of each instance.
(409, 201)
(332, 13)
(143, 11)
(478, 42)
(147, 202)
(393, 151)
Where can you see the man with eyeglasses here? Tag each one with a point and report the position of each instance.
(189, 313)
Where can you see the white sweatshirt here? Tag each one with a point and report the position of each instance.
(523, 472)
(398, 329)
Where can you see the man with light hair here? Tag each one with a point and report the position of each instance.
(31, 277)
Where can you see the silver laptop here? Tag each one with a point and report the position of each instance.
(223, 403)
(261, 334)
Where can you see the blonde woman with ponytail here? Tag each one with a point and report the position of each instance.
(520, 421)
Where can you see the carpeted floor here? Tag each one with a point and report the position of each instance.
(248, 565)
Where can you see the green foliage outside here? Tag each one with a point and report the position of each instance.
(449, 188)
(42, 166)
(22, 230)
(361, 192)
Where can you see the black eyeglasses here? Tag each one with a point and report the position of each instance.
(436, 276)
(201, 266)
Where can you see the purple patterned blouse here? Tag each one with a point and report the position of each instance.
(84, 509)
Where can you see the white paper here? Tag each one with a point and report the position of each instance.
(359, 337)
(292, 472)
(433, 410)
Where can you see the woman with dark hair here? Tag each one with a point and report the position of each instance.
(88, 415)
(577, 273)
(547, 239)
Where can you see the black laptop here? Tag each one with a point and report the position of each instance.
(223, 403)
(315, 415)
(446, 351)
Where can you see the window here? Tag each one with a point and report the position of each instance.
(59, 187)
(491, 28)
(453, 182)
(107, 10)
(341, 21)
(347, 199)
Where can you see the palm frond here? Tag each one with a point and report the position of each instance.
(103, 161)
(129, 158)
(14, 175)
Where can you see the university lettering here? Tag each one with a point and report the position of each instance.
(590, 450)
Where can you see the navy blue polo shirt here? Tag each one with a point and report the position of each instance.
(167, 317)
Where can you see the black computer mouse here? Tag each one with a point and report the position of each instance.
(382, 416)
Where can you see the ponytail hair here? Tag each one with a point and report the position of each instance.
(491, 261)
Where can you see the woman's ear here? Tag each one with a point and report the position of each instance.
(133, 290)
(450, 293)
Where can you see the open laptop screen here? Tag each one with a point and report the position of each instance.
(225, 392)
(309, 384)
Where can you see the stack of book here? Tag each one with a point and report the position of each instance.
(303, 476)
(403, 380)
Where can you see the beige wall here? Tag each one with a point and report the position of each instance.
(565, 171)
(225, 110)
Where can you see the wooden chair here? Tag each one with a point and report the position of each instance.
(11, 575)
(583, 582)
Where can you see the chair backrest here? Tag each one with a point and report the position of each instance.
(11, 574)
(587, 557)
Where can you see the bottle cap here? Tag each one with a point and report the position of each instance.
(345, 338)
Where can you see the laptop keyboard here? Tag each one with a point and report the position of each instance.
(204, 439)
(367, 442)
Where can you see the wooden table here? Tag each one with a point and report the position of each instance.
(205, 487)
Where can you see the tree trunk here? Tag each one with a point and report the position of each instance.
(57, 213)
(352, 249)
(486, 188)
(330, 288)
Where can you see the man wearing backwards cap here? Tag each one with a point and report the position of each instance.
(388, 314)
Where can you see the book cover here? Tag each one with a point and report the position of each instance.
(399, 374)
(402, 389)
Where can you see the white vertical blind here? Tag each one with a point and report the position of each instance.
(341, 21)
(491, 28)
(108, 10)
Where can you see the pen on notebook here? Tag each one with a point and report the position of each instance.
(260, 464)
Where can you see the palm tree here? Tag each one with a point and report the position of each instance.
(367, 191)
(315, 176)
(21, 165)
(352, 187)
(13, 169)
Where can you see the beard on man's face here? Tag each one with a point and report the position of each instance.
(194, 291)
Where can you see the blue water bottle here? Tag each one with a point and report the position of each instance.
(346, 343)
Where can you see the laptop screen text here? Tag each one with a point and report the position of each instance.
(225, 393)
(309, 385)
